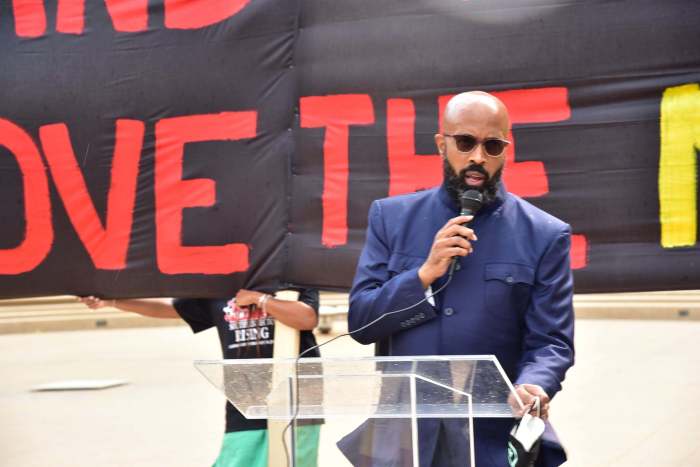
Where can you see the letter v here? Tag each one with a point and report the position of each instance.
(107, 246)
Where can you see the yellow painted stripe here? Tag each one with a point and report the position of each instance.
(680, 141)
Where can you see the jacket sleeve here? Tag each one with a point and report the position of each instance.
(397, 297)
(548, 345)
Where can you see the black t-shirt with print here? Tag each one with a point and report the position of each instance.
(242, 334)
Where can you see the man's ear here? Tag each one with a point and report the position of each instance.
(440, 143)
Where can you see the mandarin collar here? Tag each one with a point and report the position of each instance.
(453, 206)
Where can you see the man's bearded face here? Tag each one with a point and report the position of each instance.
(455, 182)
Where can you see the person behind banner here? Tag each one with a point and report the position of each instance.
(511, 290)
(245, 325)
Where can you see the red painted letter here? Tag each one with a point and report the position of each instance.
(408, 172)
(174, 194)
(30, 17)
(38, 236)
(539, 105)
(579, 251)
(70, 16)
(126, 15)
(335, 114)
(107, 246)
(193, 14)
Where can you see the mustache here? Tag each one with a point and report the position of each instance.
(474, 168)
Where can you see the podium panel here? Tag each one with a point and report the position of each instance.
(374, 410)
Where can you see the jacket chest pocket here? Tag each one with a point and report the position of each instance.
(508, 287)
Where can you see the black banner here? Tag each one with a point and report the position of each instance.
(178, 148)
(172, 121)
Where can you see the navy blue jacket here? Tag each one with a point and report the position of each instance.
(512, 297)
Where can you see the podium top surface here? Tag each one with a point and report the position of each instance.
(442, 386)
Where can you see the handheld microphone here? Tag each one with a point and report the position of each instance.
(471, 201)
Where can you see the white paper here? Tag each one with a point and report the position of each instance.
(79, 384)
(529, 430)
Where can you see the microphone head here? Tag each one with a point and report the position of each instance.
(471, 201)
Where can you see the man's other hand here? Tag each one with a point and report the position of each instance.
(528, 393)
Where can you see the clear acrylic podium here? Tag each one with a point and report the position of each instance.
(372, 408)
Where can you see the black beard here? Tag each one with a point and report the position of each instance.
(455, 184)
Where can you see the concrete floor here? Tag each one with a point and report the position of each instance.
(631, 399)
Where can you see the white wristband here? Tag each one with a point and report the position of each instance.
(262, 301)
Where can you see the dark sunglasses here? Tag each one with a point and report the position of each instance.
(494, 147)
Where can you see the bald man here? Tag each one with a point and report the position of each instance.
(511, 291)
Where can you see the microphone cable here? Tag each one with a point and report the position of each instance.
(318, 346)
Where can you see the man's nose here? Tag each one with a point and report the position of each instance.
(477, 156)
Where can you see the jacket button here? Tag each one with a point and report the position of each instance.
(509, 279)
(458, 266)
(448, 311)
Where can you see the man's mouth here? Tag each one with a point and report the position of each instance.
(474, 178)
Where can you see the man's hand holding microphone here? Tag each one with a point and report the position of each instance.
(452, 240)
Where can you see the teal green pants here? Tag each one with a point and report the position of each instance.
(249, 448)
